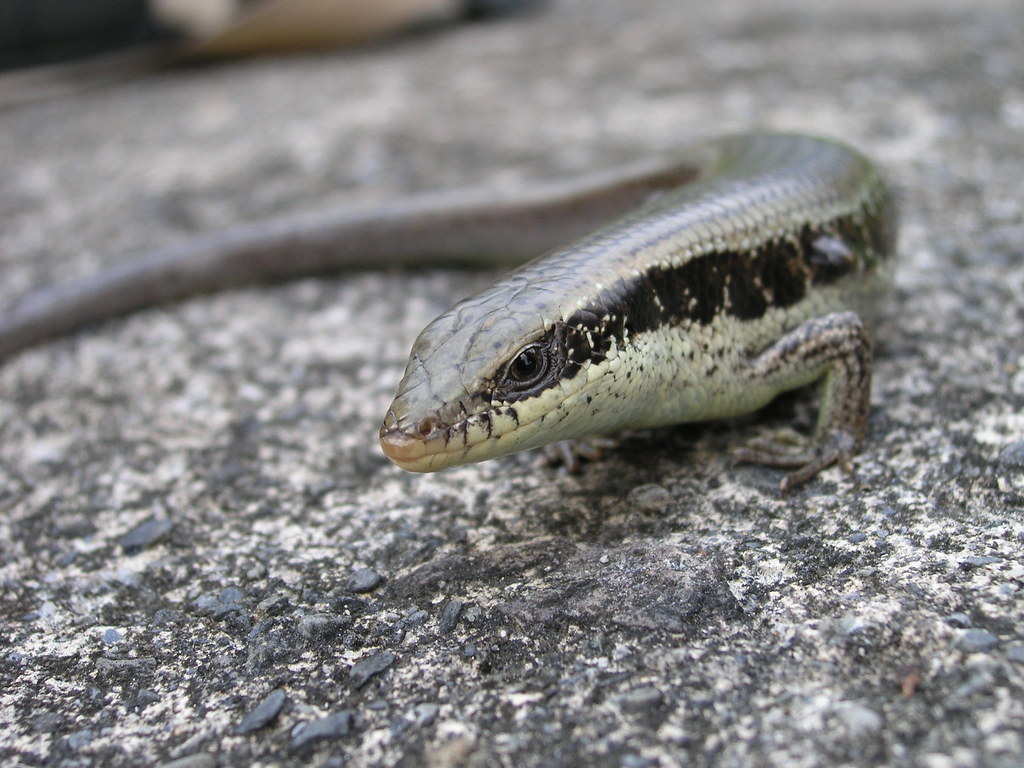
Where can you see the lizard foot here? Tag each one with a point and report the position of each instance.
(570, 454)
(790, 450)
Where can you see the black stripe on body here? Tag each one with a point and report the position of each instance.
(744, 285)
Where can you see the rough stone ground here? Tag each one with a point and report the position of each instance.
(195, 517)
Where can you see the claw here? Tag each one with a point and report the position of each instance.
(571, 454)
(806, 457)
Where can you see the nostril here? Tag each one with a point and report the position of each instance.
(427, 426)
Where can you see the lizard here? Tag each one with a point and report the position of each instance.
(747, 266)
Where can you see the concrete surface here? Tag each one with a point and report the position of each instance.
(205, 558)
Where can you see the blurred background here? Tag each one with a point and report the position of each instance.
(34, 32)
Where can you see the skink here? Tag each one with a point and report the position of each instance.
(746, 270)
(748, 280)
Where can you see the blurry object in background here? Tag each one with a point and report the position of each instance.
(110, 40)
(196, 18)
(290, 25)
(34, 32)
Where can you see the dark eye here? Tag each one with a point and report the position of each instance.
(527, 367)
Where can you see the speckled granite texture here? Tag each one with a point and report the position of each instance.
(206, 559)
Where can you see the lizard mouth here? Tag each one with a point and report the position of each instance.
(420, 447)
(430, 443)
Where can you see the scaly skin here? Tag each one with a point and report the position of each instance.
(742, 283)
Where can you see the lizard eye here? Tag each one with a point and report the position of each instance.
(527, 368)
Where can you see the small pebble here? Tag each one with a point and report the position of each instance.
(231, 595)
(273, 605)
(977, 641)
(364, 580)
(207, 605)
(1012, 455)
(642, 699)
(857, 719)
(979, 560)
(364, 669)
(263, 713)
(961, 620)
(414, 618)
(111, 636)
(450, 616)
(651, 497)
(145, 697)
(333, 726)
(145, 534)
(426, 714)
(1015, 653)
(198, 760)
(260, 628)
(165, 617)
(322, 626)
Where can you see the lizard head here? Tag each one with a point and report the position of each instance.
(500, 372)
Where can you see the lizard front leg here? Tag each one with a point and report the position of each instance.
(835, 350)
